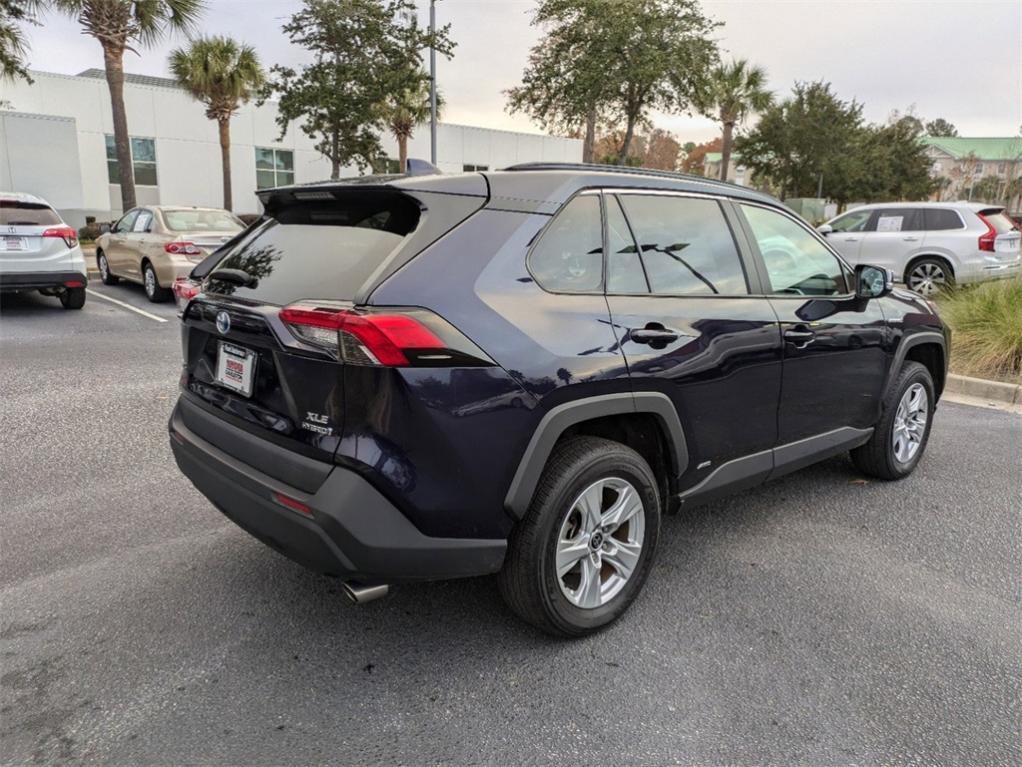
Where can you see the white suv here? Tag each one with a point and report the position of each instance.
(38, 251)
(930, 245)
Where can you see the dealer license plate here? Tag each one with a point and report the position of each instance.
(235, 368)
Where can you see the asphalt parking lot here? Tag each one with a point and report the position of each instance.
(819, 620)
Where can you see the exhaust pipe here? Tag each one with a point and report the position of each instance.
(360, 593)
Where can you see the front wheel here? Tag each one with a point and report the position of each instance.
(582, 552)
(900, 436)
(104, 270)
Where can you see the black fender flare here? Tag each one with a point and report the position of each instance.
(908, 342)
(559, 418)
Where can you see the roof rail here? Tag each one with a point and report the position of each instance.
(623, 169)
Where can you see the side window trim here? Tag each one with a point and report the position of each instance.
(755, 271)
(722, 203)
(761, 264)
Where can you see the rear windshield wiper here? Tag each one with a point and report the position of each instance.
(234, 276)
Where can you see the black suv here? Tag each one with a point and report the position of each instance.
(519, 372)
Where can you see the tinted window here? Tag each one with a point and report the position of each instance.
(796, 262)
(624, 268)
(201, 221)
(855, 221)
(897, 220)
(15, 213)
(938, 219)
(686, 245)
(324, 250)
(569, 255)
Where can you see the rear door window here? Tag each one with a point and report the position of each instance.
(941, 219)
(686, 245)
(569, 255)
(142, 222)
(317, 250)
(18, 213)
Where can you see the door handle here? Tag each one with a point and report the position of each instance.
(910, 239)
(851, 239)
(799, 336)
(654, 334)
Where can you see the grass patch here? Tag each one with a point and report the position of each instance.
(986, 325)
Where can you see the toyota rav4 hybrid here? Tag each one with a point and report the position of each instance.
(38, 251)
(521, 372)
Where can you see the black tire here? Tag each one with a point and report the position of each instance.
(73, 298)
(152, 288)
(529, 582)
(104, 269)
(942, 276)
(877, 457)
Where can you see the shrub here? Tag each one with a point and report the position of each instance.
(986, 323)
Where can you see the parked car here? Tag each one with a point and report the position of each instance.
(38, 251)
(520, 372)
(930, 245)
(156, 244)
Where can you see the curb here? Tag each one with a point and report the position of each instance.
(981, 388)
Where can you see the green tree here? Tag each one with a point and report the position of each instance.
(363, 51)
(119, 26)
(405, 109)
(223, 74)
(940, 127)
(14, 13)
(987, 189)
(892, 164)
(616, 60)
(811, 135)
(731, 92)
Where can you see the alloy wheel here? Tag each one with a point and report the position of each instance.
(910, 423)
(600, 542)
(104, 269)
(927, 278)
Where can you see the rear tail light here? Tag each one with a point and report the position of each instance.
(185, 289)
(183, 249)
(66, 233)
(986, 241)
(390, 340)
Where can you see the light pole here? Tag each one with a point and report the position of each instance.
(432, 84)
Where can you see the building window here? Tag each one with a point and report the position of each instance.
(979, 169)
(1002, 167)
(474, 168)
(274, 167)
(143, 161)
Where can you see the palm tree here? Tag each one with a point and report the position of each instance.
(13, 46)
(730, 94)
(404, 110)
(223, 74)
(119, 25)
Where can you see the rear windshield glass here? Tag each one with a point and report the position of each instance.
(999, 221)
(15, 213)
(324, 250)
(201, 221)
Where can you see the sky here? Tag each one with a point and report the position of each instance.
(940, 58)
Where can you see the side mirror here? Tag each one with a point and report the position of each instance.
(873, 281)
(104, 228)
(824, 229)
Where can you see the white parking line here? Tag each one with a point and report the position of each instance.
(126, 306)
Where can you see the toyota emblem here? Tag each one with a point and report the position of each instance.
(223, 323)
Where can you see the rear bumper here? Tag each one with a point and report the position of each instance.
(14, 281)
(981, 271)
(352, 530)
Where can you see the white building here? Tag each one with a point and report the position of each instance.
(56, 141)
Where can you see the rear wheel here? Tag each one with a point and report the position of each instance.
(153, 291)
(104, 269)
(583, 551)
(900, 436)
(73, 298)
(930, 276)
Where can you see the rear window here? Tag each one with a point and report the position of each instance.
(16, 213)
(999, 220)
(201, 221)
(317, 250)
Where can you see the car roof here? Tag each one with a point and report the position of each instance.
(183, 207)
(956, 205)
(23, 197)
(529, 187)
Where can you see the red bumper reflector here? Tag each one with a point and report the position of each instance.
(74, 284)
(292, 504)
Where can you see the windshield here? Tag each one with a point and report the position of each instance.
(17, 213)
(186, 220)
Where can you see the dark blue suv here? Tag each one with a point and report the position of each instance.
(519, 372)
